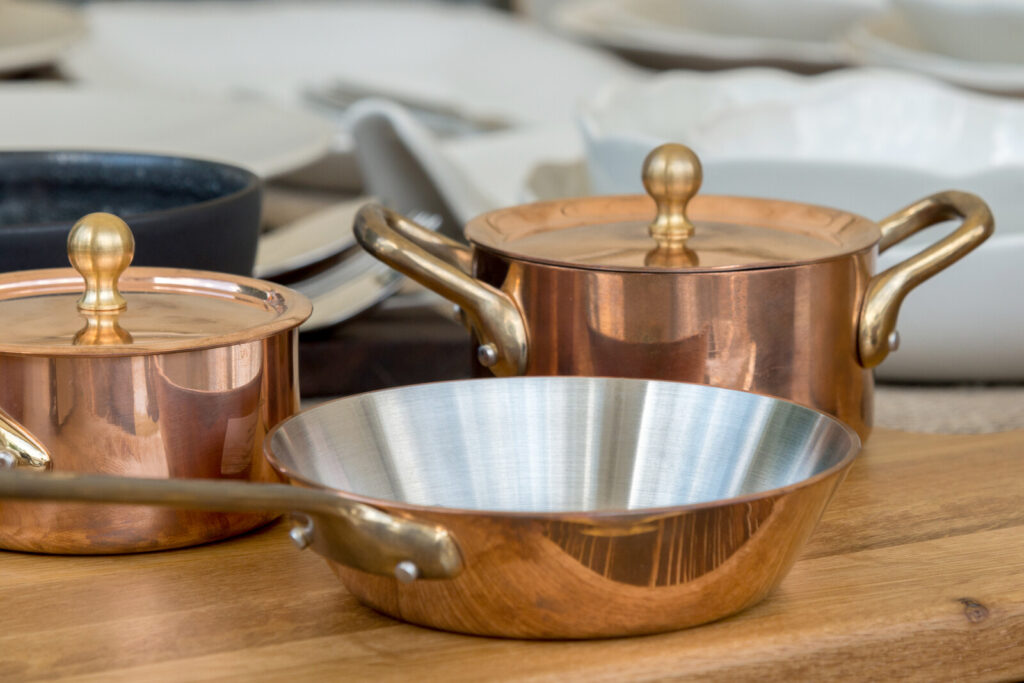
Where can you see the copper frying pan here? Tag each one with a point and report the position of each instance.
(536, 507)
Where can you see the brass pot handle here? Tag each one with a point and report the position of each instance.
(19, 449)
(354, 534)
(443, 265)
(886, 290)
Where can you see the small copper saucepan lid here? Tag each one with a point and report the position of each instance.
(144, 372)
(746, 293)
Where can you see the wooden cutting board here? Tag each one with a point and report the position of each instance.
(916, 572)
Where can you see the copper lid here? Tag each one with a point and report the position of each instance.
(672, 230)
(108, 309)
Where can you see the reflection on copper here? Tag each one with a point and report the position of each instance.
(200, 413)
(102, 328)
(664, 257)
(788, 332)
(664, 552)
(593, 576)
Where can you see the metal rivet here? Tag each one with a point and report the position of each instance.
(894, 341)
(302, 533)
(406, 571)
(487, 354)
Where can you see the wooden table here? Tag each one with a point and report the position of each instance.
(916, 571)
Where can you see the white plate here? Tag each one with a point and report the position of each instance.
(308, 240)
(858, 115)
(35, 33)
(888, 41)
(347, 289)
(685, 33)
(468, 59)
(265, 138)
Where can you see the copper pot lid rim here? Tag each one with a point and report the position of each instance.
(611, 233)
(103, 307)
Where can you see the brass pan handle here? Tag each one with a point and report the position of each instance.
(443, 265)
(886, 290)
(356, 535)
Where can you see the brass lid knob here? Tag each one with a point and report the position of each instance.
(100, 247)
(672, 175)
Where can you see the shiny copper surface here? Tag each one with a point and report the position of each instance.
(167, 310)
(613, 233)
(580, 576)
(200, 413)
(789, 332)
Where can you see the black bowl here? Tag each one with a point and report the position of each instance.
(185, 213)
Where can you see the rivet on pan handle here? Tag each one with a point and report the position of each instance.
(356, 535)
(887, 290)
(442, 265)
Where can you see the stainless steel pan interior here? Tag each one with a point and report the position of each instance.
(542, 445)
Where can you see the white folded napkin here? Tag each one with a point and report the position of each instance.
(412, 169)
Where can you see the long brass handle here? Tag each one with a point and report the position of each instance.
(18, 448)
(886, 291)
(443, 265)
(351, 533)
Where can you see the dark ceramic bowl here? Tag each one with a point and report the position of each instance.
(185, 213)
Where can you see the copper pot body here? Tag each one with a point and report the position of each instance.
(788, 332)
(808, 331)
(190, 414)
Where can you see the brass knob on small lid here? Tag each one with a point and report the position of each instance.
(100, 247)
(672, 175)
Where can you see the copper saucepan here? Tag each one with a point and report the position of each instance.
(156, 372)
(753, 294)
(537, 507)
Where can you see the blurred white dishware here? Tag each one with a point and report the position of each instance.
(265, 138)
(308, 240)
(411, 168)
(354, 285)
(473, 62)
(866, 141)
(890, 40)
(972, 30)
(856, 115)
(34, 34)
(799, 34)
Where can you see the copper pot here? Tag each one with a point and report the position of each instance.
(754, 294)
(156, 372)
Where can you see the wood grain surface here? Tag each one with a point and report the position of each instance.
(916, 572)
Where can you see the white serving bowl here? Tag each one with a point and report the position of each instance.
(974, 30)
(866, 141)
